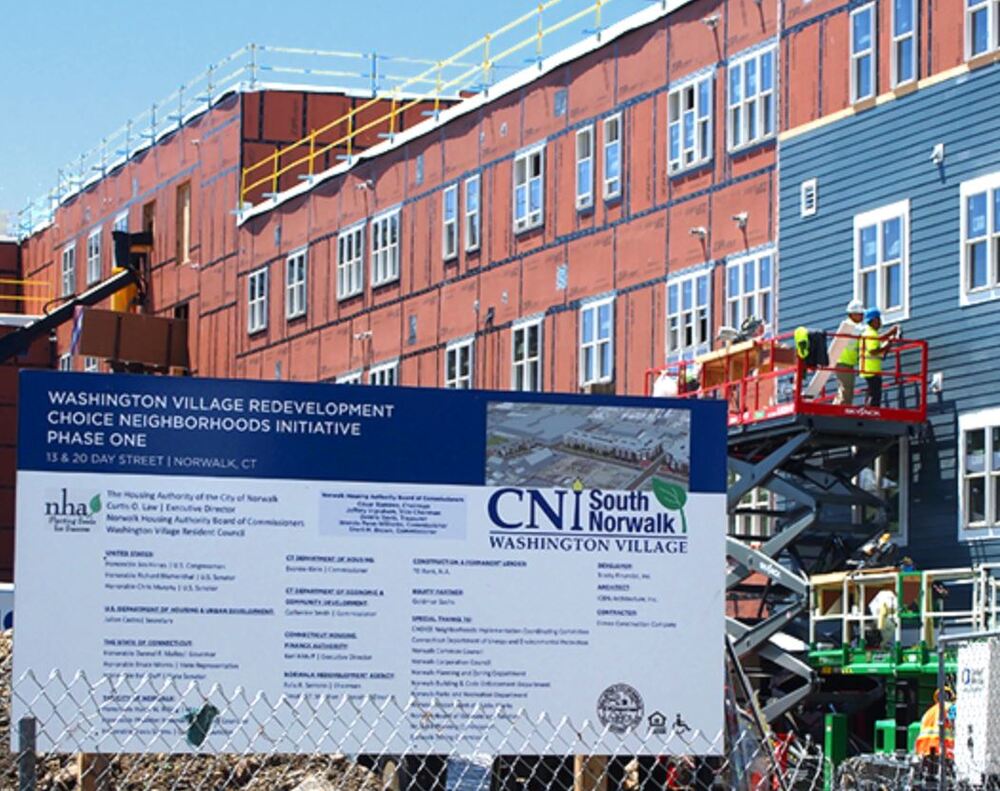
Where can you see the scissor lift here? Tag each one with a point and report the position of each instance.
(789, 437)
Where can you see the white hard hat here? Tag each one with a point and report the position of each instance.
(855, 306)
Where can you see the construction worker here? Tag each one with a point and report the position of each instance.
(928, 740)
(847, 362)
(873, 349)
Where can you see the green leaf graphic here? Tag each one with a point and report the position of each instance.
(95, 503)
(670, 495)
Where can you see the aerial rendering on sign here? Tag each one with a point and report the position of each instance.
(578, 395)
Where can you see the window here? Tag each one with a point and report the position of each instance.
(808, 198)
(91, 365)
(863, 53)
(881, 259)
(613, 156)
(979, 463)
(526, 339)
(295, 284)
(751, 99)
(689, 314)
(350, 261)
(257, 300)
(121, 222)
(384, 375)
(888, 479)
(689, 116)
(529, 189)
(94, 256)
(748, 521)
(65, 362)
(69, 269)
(750, 290)
(981, 20)
(472, 214)
(980, 239)
(597, 342)
(352, 378)
(385, 248)
(449, 217)
(184, 223)
(458, 365)
(585, 167)
(904, 41)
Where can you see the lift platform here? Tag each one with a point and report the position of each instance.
(804, 463)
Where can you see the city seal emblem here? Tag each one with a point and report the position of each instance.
(620, 708)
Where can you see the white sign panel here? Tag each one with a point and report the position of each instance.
(579, 575)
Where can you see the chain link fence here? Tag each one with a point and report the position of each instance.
(147, 735)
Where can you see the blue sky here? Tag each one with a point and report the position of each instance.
(72, 71)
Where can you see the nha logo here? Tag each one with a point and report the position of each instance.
(66, 507)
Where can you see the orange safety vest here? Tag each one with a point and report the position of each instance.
(928, 742)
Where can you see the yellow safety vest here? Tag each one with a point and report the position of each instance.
(871, 360)
(849, 356)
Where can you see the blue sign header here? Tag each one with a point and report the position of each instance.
(156, 425)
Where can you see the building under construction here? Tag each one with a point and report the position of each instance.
(589, 222)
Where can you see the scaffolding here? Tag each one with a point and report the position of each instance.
(791, 438)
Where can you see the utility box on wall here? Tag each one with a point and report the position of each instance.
(977, 731)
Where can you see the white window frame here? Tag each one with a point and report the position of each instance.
(257, 308)
(449, 224)
(694, 318)
(761, 107)
(990, 186)
(871, 478)
(598, 343)
(65, 362)
(296, 280)
(871, 53)
(350, 378)
(746, 300)
(529, 366)
(121, 221)
(94, 256)
(385, 244)
(899, 38)
(384, 374)
(809, 198)
(747, 525)
(523, 181)
(473, 213)
(584, 152)
(68, 269)
(985, 420)
(694, 116)
(351, 261)
(878, 217)
(992, 9)
(91, 365)
(612, 137)
(457, 349)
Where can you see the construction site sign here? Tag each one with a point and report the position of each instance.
(558, 555)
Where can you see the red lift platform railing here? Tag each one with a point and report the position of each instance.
(764, 378)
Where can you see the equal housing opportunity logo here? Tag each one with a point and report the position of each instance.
(70, 512)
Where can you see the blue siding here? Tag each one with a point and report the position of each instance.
(875, 158)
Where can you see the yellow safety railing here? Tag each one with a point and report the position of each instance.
(269, 170)
(41, 285)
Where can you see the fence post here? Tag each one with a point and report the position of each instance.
(92, 772)
(26, 754)
(590, 773)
